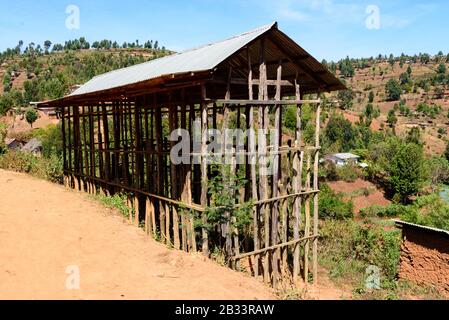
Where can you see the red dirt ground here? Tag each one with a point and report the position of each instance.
(376, 196)
(45, 228)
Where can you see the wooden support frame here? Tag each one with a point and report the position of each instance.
(122, 145)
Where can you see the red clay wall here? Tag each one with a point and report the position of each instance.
(425, 258)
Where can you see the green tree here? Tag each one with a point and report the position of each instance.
(446, 153)
(425, 58)
(371, 97)
(391, 60)
(442, 69)
(406, 171)
(392, 119)
(340, 133)
(47, 45)
(345, 99)
(393, 90)
(409, 70)
(414, 136)
(31, 116)
(404, 78)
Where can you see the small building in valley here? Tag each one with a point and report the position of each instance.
(343, 159)
(13, 144)
(33, 146)
(425, 255)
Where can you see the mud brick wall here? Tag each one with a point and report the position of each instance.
(425, 258)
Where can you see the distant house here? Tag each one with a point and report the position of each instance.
(48, 111)
(13, 144)
(343, 159)
(34, 146)
(424, 255)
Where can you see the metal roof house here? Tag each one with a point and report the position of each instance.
(115, 141)
(343, 159)
(33, 146)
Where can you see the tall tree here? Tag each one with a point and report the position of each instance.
(406, 171)
(393, 90)
(31, 116)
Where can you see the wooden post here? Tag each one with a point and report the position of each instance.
(226, 227)
(137, 210)
(204, 177)
(276, 177)
(252, 160)
(297, 184)
(186, 180)
(315, 198)
(64, 146)
(307, 221)
(263, 190)
(148, 221)
(173, 109)
(167, 223)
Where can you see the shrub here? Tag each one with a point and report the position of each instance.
(429, 211)
(348, 173)
(393, 90)
(347, 249)
(406, 171)
(393, 210)
(333, 206)
(117, 201)
(45, 168)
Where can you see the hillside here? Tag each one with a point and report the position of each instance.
(423, 102)
(34, 74)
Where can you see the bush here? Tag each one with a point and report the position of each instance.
(406, 171)
(333, 206)
(393, 90)
(429, 211)
(117, 201)
(347, 249)
(45, 168)
(348, 173)
(393, 210)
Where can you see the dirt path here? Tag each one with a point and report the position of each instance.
(45, 229)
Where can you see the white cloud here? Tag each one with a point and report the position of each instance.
(336, 12)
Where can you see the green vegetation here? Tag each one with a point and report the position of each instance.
(50, 76)
(348, 248)
(333, 206)
(406, 171)
(46, 166)
(31, 116)
(117, 201)
(393, 90)
(429, 211)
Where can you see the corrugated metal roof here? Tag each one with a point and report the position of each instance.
(200, 59)
(417, 226)
(345, 156)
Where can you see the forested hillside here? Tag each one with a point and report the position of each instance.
(402, 93)
(40, 72)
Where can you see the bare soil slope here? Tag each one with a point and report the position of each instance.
(45, 228)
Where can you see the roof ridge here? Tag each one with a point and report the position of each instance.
(258, 29)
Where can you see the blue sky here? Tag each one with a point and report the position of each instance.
(329, 29)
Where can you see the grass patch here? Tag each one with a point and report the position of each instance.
(117, 202)
(50, 168)
(348, 249)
